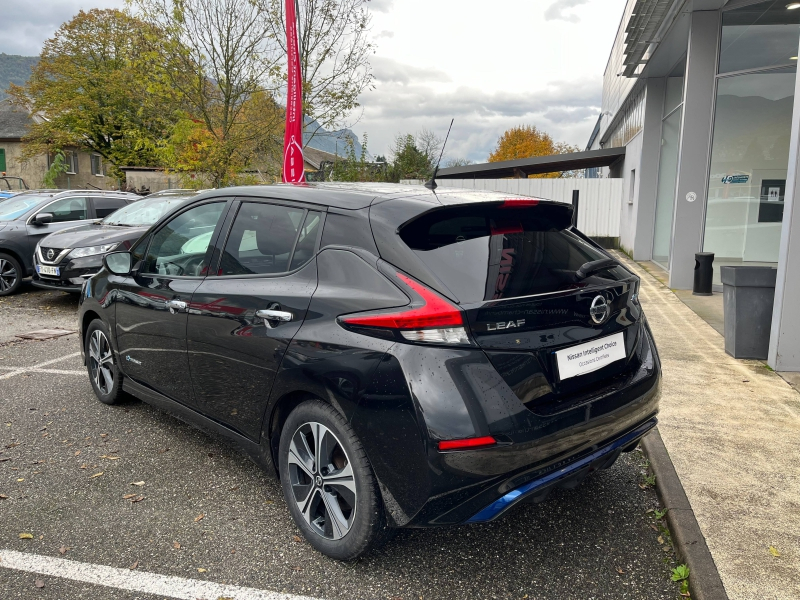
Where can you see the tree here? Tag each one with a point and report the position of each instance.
(357, 169)
(334, 55)
(226, 63)
(526, 141)
(414, 157)
(94, 88)
(457, 162)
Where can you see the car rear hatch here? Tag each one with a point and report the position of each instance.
(558, 318)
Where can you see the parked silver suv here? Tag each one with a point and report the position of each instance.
(29, 216)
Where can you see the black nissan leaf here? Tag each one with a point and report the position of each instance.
(399, 357)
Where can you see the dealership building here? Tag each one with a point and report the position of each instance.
(702, 96)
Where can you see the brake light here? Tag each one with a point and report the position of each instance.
(436, 321)
(469, 443)
(519, 202)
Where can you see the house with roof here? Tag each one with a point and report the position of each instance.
(85, 170)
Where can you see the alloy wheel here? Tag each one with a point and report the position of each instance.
(322, 481)
(8, 275)
(101, 362)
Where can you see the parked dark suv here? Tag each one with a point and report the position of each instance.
(400, 357)
(63, 259)
(29, 216)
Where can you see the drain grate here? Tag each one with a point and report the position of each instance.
(45, 334)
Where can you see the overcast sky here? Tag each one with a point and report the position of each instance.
(491, 65)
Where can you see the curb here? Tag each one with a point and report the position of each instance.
(687, 538)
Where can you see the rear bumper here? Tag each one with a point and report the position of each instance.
(567, 476)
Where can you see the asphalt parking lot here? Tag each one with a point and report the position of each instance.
(203, 515)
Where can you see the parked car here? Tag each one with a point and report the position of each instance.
(29, 216)
(11, 186)
(398, 357)
(63, 259)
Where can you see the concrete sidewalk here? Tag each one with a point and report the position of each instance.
(732, 430)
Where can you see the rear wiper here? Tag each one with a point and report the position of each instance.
(594, 266)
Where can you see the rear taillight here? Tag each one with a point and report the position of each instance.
(433, 321)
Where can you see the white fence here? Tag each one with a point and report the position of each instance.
(600, 200)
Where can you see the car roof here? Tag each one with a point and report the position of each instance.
(353, 196)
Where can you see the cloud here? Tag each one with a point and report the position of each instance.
(383, 6)
(567, 110)
(556, 11)
(24, 26)
(388, 70)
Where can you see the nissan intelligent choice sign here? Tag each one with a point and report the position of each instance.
(588, 357)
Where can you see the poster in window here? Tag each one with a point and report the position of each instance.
(770, 209)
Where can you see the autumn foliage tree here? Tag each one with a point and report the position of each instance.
(527, 141)
(95, 87)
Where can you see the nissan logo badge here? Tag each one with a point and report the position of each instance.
(50, 254)
(599, 310)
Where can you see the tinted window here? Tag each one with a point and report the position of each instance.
(179, 247)
(68, 209)
(105, 206)
(485, 253)
(304, 251)
(261, 239)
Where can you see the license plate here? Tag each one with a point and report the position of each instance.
(45, 270)
(591, 356)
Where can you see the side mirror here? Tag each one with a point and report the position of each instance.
(118, 263)
(43, 218)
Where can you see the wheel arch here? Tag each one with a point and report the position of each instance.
(280, 411)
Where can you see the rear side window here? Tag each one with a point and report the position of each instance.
(68, 209)
(105, 206)
(490, 252)
(261, 239)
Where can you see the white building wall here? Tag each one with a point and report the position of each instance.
(600, 200)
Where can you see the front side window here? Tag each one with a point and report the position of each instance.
(106, 206)
(180, 247)
(68, 209)
(261, 239)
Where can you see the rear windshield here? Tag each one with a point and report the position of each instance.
(489, 252)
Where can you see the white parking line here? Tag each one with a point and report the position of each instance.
(38, 367)
(134, 581)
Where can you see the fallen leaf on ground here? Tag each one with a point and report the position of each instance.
(163, 450)
(298, 568)
(3, 497)
(201, 570)
(20, 480)
(199, 518)
(176, 545)
(297, 538)
(110, 457)
(77, 453)
(39, 583)
(620, 571)
(103, 435)
(26, 536)
(84, 466)
(134, 565)
(138, 499)
(774, 551)
(654, 527)
(128, 496)
(139, 483)
(96, 475)
(660, 540)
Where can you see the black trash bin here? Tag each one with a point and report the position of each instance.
(703, 273)
(748, 295)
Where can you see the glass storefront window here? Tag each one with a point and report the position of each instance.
(749, 163)
(759, 35)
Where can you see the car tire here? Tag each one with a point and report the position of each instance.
(10, 274)
(337, 506)
(101, 364)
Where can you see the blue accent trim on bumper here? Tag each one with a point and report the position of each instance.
(502, 504)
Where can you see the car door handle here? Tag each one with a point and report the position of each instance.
(274, 315)
(175, 305)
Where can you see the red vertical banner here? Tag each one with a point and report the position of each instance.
(293, 165)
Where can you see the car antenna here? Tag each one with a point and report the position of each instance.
(431, 185)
